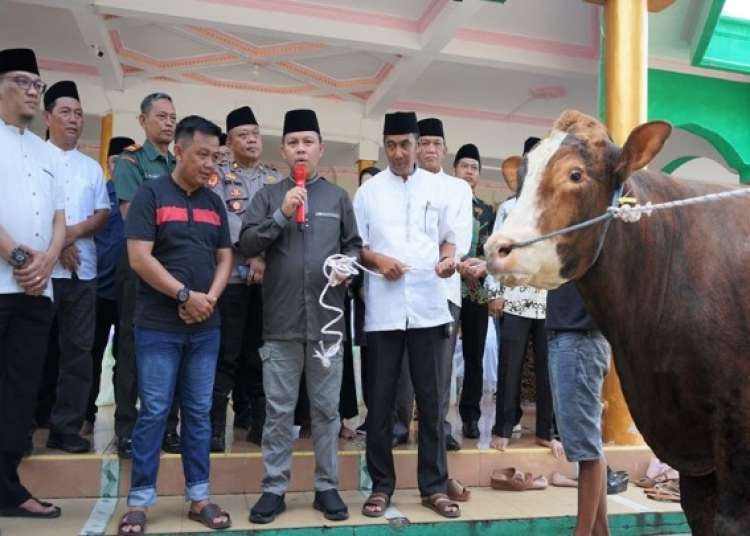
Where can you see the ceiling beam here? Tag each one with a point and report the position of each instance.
(452, 17)
(95, 34)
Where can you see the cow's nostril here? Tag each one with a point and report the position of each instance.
(504, 251)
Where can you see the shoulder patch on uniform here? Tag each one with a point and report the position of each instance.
(270, 179)
(213, 181)
(132, 148)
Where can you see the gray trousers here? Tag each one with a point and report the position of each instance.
(75, 301)
(283, 363)
(402, 408)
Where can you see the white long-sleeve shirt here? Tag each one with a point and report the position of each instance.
(406, 220)
(461, 209)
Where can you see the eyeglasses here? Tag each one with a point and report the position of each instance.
(26, 83)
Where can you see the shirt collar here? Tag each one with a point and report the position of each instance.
(152, 153)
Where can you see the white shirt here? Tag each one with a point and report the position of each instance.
(526, 301)
(85, 191)
(406, 220)
(29, 196)
(462, 210)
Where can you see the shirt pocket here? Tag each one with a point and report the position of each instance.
(431, 220)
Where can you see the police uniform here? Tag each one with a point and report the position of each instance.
(241, 309)
(136, 164)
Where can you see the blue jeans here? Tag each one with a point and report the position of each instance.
(163, 358)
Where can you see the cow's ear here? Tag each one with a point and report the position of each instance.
(510, 172)
(643, 144)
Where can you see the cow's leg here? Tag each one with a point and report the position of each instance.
(698, 499)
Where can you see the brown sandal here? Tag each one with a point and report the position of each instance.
(457, 491)
(134, 518)
(207, 515)
(378, 500)
(508, 479)
(440, 503)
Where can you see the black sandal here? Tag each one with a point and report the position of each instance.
(267, 508)
(207, 515)
(329, 502)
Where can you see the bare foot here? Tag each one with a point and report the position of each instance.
(129, 528)
(346, 433)
(305, 430)
(562, 481)
(553, 445)
(499, 443)
(197, 506)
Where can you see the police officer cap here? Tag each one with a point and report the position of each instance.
(431, 127)
(18, 59)
(529, 144)
(117, 145)
(468, 151)
(239, 117)
(64, 88)
(300, 121)
(400, 123)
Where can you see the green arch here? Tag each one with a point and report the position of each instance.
(676, 163)
(716, 110)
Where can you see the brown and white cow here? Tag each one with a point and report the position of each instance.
(670, 292)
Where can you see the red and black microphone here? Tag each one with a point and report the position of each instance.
(300, 177)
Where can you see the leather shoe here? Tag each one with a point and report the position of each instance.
(451, 443)
(124, 448)
(218, 444)
(399, 440)
(617, 481)
(172, 444)
(471, 430)
(72, 443)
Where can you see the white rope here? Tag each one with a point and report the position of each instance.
(629, 213)
(337, 268)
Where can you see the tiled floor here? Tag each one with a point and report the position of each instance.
(170, 515)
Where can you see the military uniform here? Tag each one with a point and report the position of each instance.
(136, 164)
(239, 368)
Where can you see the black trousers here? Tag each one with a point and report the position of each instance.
(47, 394)
(426, 347)
(24, 327)
(248, 382)
(233, 307)
(75, 302)
(514, 340)
(474, 322)
(106, 319)
(125, 372)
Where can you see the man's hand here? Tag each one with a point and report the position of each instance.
(34, 276)
(391, 268)
(473, 267)
(256, 267)
(293, 198)
(445, 268)
(465, 269)
(495, 307)
(69, 258)
(198, 308)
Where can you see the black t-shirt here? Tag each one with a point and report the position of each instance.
(186, 230)
(566, 312)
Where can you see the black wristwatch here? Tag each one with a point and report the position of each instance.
(18, 258)
(183, 296)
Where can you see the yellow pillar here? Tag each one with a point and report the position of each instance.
(105, 136)
(364, 164)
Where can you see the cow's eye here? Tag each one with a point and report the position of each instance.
(576, 175)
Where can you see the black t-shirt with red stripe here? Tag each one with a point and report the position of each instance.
(186, 229)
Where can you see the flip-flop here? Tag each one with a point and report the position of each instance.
(508, 479)
(17, 511)
(379, 500)
(440, 503)
(207, 515)
(457, 491)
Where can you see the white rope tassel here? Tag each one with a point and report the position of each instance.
(336, 268)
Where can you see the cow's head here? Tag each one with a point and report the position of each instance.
(569, 177)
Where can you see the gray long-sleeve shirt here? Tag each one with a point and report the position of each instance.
(294, 277)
